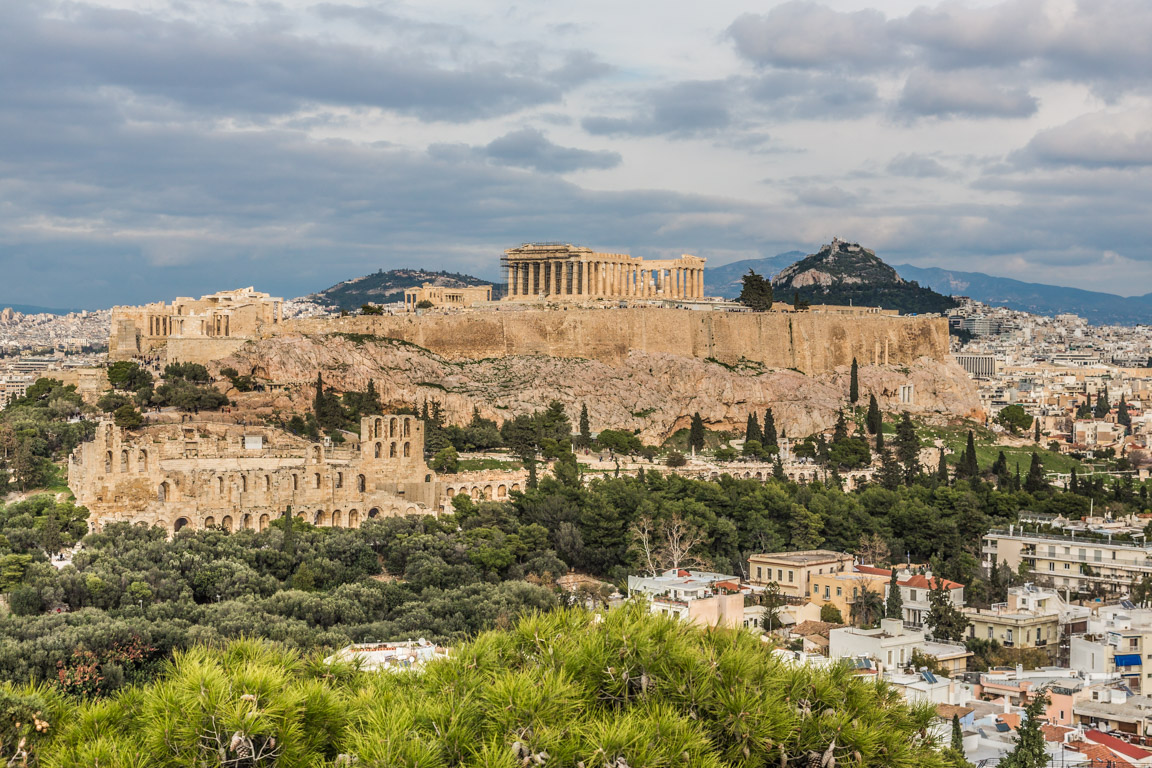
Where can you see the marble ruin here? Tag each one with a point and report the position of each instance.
(203, 474)
(193, 330)
(442, 296)
(562, 272)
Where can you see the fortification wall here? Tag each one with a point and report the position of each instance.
(808, 342)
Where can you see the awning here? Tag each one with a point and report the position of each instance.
(1127, 659)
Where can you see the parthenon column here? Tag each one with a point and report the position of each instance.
(700, 282)
(678, 283)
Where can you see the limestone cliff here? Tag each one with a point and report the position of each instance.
(654, 393)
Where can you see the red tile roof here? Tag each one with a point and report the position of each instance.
(1118, 745)
(1054, 732)
(916, 580)
(1098, 756)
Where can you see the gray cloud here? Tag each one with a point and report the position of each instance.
(809, 35)
(917, 165)
(684, 109)
(265, 69)
(1094, 140)
(967, 94)
(812, 95)
(529, 148)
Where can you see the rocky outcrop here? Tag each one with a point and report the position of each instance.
(655, 394)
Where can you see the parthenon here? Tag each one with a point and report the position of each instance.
(562, 272)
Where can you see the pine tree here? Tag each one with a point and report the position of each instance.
(1035, 482)
(1030, 750)
(696, 433)
(944, 618)
(891, 476)
(532, 480)
(894, 604)
(769, 438)
(840, 432)
(585, 438)
(873, 421)
(752, 430)
(942, 469)
(756, 292)
(854, 384)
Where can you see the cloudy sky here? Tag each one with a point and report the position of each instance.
(153, 148)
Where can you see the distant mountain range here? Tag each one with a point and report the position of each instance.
(32, 309)
(387, 287)
(1038, 298)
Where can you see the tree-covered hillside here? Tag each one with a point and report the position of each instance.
(386, 287)
(568, 689)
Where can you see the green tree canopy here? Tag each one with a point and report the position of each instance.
(756, 292)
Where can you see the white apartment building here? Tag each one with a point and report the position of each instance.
(1073, 563)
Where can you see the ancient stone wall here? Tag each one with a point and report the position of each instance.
(201, 474)
(808, 342)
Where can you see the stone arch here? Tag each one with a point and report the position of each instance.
(226, 523)
(339, 479)
(407, 450)
(220, 485)
(295, 481)
(108, 462)
(501, 491)
(353, 518)
(451, 492)
(378, 428)
(142, 459)
(336, 518)
(268, 483)
(361, 483)
(411, 509)
(378, 450)
(246, 521)
(407, 427)
(163, 491)
(515, 487)
(108, 435)
(394, 511)
(374, 512)
(209, 521)
(244, 483)
(476, 492)
(180, 523)
(124, 460)
(488, 492)
(263, 522)
(319, 518)
(392, 427)
(759, 476)
(427, 478)
(392, 450)
(316, 479)
(316, 455)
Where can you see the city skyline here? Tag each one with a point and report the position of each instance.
(158, 149)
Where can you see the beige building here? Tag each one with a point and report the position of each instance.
(441, 296)
(202, 474)
(793, 571)
(557, 272)
(1079, 564)
(699, 597)
(193, 330)
(1026, 620)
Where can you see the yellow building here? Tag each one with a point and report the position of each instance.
(793, 571)
(442, 296)
(843, 589)
(1026, 621)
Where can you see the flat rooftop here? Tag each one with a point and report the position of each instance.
(807, 557)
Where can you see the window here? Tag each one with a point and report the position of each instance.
(759, 573)
(339, 479)
(1066, 567)
(827, 592)
(789, 577)
(1009, 636)
(1133, 642)
(912, 595)
(1051, 566)
(839, 592)
(855, 591)
(990, 634)
(1038, 637)
(815, 589)
(779, 575)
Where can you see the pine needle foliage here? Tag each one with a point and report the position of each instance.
(568, 688)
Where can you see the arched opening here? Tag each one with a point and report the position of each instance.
(361, 483)
(108, 436)
(339, 479)
(501, 491)
(295, 482)
(392, 451)
(353, 518)
(263, 522)
(209, 522)
(451, 492)
(181, 522)
(378, 428)
(123, 461)
(108, 463)
(476, 492)
(407, 450)
(427, 478)
(244, 483)
(267, 482)
(407, 427)
(373, 513)
(316, 454)
(515, 487)
(220, 486)
(316, 479)
(392, 427)
(246, 521)
(142, 459)
(378, 449)
(488, 492)
(337, 518)
(318, 518)
(226, 523)
(164, 490)
(759, 476)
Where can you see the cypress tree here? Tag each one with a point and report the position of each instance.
(288, 543)
(957, 735)
(1035, 481)
(752, 430)
(696, 433)
(908, 448)
(873, 421)
(1102, 405)
(1036, 435)
(778, 469)
(769, 437)
(1122, 416)
(840, 432)
(1074, 482)
(894, 605)
(891, 475)
(585, 427)
(854, 384)
(942, 469)
(879, 442)
(972, 467)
